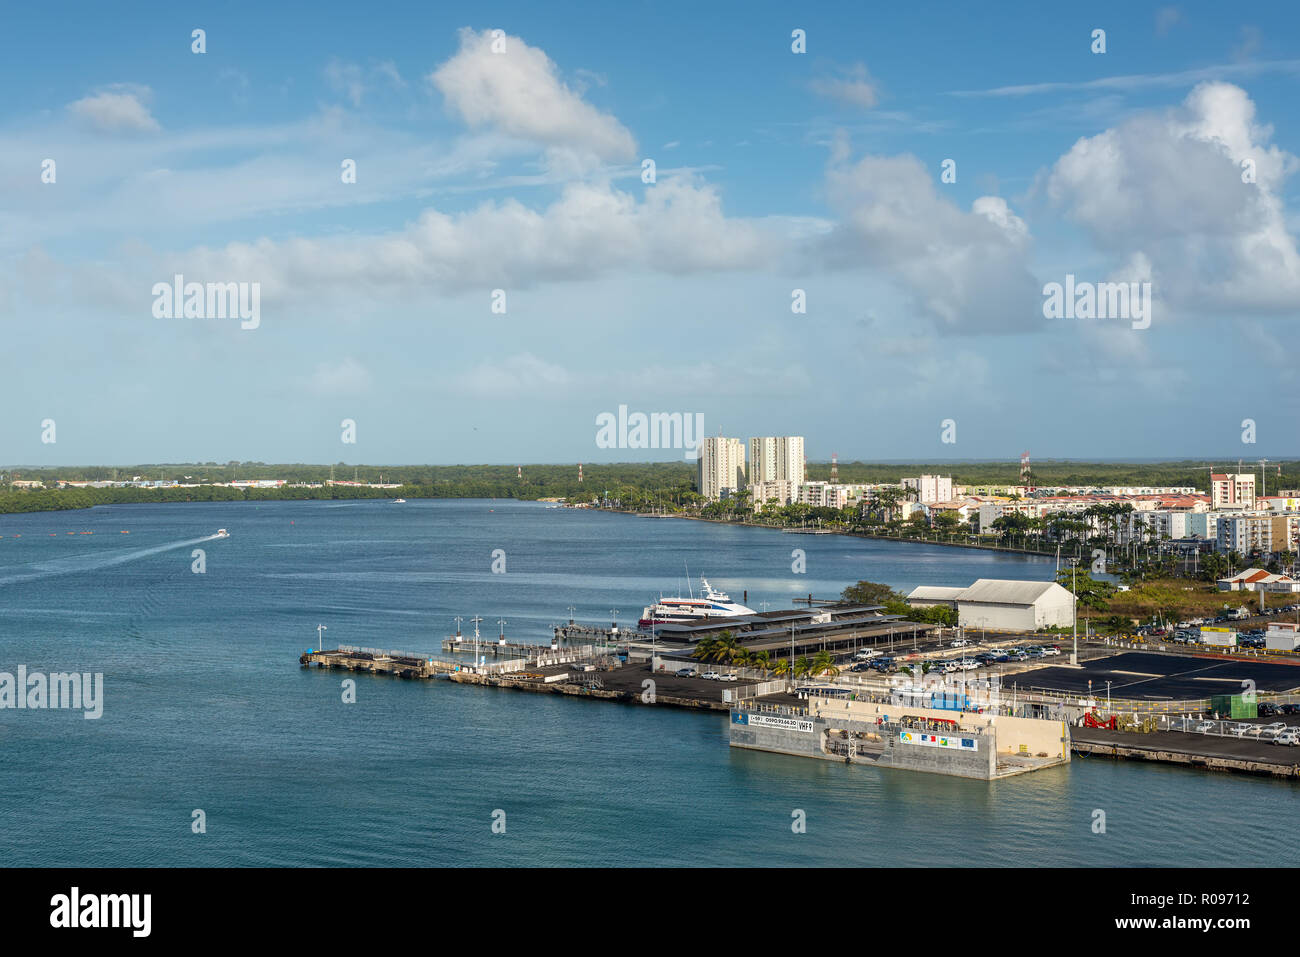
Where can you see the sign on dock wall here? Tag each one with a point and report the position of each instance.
(938, 740)
(771, 721)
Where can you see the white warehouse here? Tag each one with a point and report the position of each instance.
(1002, 605)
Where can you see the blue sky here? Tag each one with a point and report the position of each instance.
(521, 171)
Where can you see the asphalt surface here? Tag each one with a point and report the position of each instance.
(629, 678)
(1146, 676)
(1190, 742)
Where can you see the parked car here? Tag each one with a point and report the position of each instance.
(969, 665)
(1267, 710)
(1289, 709)
(959, 643)
(1290, 737)
(728, 676)
(1204, 727)
(711, 676)
(686, 672)
(1052, 652)
(1239, 729)
(1019, 656)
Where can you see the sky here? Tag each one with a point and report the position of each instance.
(500, 273)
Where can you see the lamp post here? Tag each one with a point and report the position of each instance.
(320, 637)
(476, 619)
(1074, 602)
(791, 672)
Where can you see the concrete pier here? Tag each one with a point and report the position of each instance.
(492, 647)
(373, 661)
(938, 741)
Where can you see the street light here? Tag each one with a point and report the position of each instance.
(476, 619)
(320, 637)
(1074, 601)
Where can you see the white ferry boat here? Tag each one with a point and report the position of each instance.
(711, 604)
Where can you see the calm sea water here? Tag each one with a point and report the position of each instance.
(206, 707)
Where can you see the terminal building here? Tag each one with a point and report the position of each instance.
(1002, 605)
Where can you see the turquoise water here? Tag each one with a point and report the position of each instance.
(206, 707)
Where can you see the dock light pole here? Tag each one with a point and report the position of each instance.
(458, 620)
(502, 623)
(791, 672)
(320, 637)
(1074, 603)
(476, 619)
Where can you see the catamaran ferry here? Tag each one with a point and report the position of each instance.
(711, 604)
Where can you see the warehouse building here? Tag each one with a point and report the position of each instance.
(1002, 605)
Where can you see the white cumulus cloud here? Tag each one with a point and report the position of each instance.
(1169, 187)
(116, 110)
(519, 92)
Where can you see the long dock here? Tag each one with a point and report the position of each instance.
(581, 671)
(398, 663)
(494, 647)
(1191, 750)
(414, 664)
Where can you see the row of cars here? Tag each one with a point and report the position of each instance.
(707, 676)
(984, 659)
(1252, 639)
(1279, 732)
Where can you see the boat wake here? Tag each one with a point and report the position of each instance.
(75, 564)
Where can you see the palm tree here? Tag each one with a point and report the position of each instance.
(705, 649)
(782, 667)
(802, 667)
(760, 660)
(726, 647)
(823, 663)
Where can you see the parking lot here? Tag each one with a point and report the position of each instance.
(1146, 676)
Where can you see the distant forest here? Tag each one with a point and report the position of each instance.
(672, 480)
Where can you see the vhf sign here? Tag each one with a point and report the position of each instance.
(771, 721)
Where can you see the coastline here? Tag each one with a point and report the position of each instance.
(836, 531)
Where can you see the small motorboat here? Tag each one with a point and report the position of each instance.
(399, 501)
(222, 533)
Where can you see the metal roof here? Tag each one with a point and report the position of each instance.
(935, 593)
(1005, 592)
